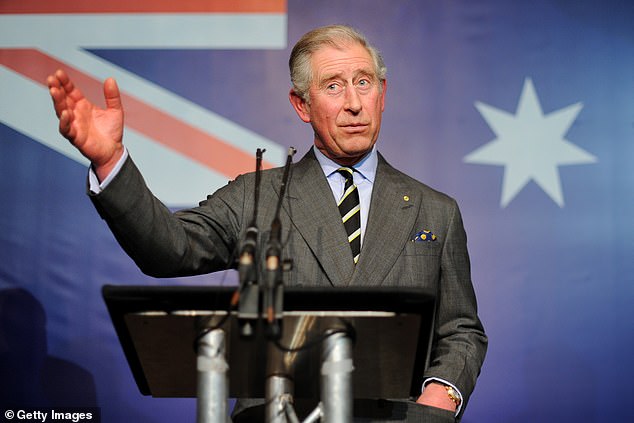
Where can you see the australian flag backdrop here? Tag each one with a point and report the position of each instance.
(521, 110)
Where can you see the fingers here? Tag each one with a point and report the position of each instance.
(65, 94)
(59, 100)
(64, 81)
(60, 80)
(57, 91)
(111, 94)
(60, 87)
(65, 127)
(76, 114)
(52, 81)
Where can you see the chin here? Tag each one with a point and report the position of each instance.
(354, 156)
(359, 148)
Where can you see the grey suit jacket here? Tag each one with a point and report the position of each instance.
(205, 238)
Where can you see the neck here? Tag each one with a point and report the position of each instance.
(346, 161)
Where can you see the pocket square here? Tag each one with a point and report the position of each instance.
(425, 236)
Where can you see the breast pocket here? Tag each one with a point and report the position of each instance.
(422, 249)
(419, 265)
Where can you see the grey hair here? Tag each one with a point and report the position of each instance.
(336, 36)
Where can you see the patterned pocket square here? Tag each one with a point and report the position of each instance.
(425, 236)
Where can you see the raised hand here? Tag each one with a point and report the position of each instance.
(97, 133)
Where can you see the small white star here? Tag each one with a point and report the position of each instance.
(530, 145)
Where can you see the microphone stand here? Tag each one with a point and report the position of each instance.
(273, 298)
(247, 296)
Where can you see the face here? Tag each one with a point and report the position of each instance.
(346, 103)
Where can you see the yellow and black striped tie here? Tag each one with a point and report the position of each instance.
(350, 212)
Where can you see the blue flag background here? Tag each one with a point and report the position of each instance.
(522, 111)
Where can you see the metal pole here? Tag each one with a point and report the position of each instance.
(213, 384)
(336, 379)
(279, 392)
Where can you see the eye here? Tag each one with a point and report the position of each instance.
(364, 83)
(333, 88)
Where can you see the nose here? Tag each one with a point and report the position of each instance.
(353, 101)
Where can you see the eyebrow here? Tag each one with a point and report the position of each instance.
(337, 75)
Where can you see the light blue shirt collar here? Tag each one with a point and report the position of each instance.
(366, 168)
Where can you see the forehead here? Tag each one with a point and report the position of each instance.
(330, 61)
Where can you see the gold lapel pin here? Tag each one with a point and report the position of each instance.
(406, 197)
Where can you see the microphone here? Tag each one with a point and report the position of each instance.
(273, 294)
(247, 293)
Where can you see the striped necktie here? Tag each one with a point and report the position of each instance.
(350, 212)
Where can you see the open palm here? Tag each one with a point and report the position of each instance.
(97, 133)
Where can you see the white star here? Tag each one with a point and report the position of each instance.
(530, 145)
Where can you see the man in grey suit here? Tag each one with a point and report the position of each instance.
(410, 234)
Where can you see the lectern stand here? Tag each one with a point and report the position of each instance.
(336, 344)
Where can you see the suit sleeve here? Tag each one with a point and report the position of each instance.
(165, 244)
(460, 342)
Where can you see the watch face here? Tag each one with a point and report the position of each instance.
(453, 395)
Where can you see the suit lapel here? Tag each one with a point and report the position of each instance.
(393, 211)
(312, 209)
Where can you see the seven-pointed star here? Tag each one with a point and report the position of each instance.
(530, 145)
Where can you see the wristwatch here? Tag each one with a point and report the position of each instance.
(453, 395)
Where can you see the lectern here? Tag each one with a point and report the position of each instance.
(170, 334)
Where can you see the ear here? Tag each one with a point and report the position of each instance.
(301, 107)
(383, 95)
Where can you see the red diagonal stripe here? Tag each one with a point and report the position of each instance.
(142, 117)
(143, 6)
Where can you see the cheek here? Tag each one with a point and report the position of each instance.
(328, 120)
(326, 111)
(329, 113)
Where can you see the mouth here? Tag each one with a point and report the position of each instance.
(354, 127)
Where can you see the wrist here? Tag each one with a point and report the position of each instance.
(435, 395)
(102, 170)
